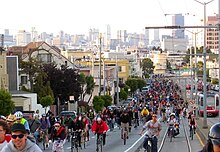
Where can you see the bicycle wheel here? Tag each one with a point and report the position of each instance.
(171, 135)
(191, 134)
(101, 143)
(148, 148)
(44, 141)
(125, 137)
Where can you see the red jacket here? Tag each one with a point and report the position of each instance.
(99, 128)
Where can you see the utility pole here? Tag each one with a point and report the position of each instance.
(2, 43)
(219, 55)
(100, 63)
(196, 77)
(191, 71)
(104, 89)
(117, 82)
(205, 125)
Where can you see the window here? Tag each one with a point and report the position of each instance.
(23, 79)
(217, 101)
(119, 68)
(45, 58)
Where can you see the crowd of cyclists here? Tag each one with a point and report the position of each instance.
(161, 100)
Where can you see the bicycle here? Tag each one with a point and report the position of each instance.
(136, 122)
(171, 132)
(58, 146)
(74, 141)
(84, 136)
(99, 142)
(43, 137)
(149, 143)
(192, 130)
(124, 134)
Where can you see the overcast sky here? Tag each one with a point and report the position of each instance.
(76, 17)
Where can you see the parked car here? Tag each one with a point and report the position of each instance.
(68, 113)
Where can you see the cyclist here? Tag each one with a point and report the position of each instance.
(91, 115)
(136, 118)
(125, 119)
(100, 127)
(21, 120)
(77, 126)
(58, 134)
(172, 122)
(45, 125)
(192, 122)
(144, 113)
(153, 131)
(213, 144)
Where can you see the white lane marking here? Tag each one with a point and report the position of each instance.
(135, 142)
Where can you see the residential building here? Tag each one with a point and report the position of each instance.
(160, 61)
(13, 73)
(26, 101)
(3, 72)
(212, 34)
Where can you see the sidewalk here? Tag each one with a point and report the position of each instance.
(202, 132)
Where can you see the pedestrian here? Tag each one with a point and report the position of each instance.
(19, 140)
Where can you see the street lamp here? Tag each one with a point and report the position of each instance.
(204, 66)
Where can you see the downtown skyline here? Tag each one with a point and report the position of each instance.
(77, 17)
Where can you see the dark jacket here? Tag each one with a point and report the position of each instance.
(208, 147)
(125, 118)
(58, 135)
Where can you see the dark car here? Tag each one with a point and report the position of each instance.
(67, 113)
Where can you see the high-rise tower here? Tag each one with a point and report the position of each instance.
(178, 20)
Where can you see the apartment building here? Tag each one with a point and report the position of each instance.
(3, 72)
(212, 34)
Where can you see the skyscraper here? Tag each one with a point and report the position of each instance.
(178, 20)
(156, 35)
(147, 37)
(23, 38)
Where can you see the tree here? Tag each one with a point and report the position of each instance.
(107, 100)
(198, 51)
(6, 104)
(126, 88)
(46, 101)
(141, 83)
(123, 95)
(31, 68)
(132, 83)
(87, 85)
(147, 66)
(64, 82)
(98, 103)
(215, 81)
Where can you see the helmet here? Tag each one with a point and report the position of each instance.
(2, 117)
(43, 115)
(18, 114)
(214, 134)
(172, 114)
(11, 118)
(98, 119)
